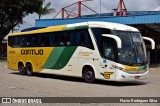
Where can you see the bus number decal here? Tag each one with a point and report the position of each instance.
(12, 52)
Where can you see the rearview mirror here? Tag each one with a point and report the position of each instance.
(116, 38)
(151, 40)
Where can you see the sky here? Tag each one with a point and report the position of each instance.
(106, 6)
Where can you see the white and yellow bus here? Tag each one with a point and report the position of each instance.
(91, 50)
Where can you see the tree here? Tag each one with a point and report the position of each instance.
(12, 13)
(44, 10)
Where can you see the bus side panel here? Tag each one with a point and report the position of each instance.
(11, 63)
(88, 57)
(12, 58)
(81, 56)
(36, 56)
(107, 70)
(73, 66)
(62, 61)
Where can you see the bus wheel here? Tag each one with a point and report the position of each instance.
(29, 69)
(21, 69)
(89, 75)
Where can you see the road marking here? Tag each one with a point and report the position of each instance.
(12, 87)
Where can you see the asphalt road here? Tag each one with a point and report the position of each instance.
(12, 84)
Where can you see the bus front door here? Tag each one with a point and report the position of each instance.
(107, 64)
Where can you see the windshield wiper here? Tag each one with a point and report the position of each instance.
(136, 54)
(140, 53)
(133, 56)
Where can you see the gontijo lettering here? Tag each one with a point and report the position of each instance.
(32, 52)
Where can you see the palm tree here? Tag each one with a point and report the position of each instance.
(44, 10)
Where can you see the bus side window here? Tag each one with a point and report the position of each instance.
(18, 40)
(52, 38)
(28, 38)
(109, 49)
(56, 39)
(62, 40)
(86, 39)
(33, 41)
(24, 41)
(49, 38)
(67, 37)
(82, 34)
(78, 38)
(108, 52)
(45, 40)
(97, 33)
(11, 41)
(73, 38)
(39, 40)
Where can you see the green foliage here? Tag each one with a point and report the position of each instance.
(12, 13)
(44, 10)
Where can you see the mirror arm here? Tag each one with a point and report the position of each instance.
(116, 38)
(151, 40)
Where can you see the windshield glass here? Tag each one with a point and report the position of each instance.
(133, 50)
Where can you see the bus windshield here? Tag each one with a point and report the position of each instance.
(133, 51)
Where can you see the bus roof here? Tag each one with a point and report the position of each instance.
(112, 26)
(99, 24)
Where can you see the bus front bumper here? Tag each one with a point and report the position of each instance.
(124, 76)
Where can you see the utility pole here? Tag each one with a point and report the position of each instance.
(100, 6)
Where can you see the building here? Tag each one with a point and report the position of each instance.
(148, 22)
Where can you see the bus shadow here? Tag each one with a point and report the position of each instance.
(75, 79)
(121, 83)
(52, 76)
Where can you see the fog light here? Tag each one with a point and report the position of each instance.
(123, 76)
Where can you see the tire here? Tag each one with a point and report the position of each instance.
(21, 69)
(29, 69)
(89, 75)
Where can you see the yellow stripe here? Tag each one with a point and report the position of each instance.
(84, 54)
(131, 68)
(48, 29)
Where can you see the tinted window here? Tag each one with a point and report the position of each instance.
(97, 32)
(109, 50)
(78, 37)
(83, 38)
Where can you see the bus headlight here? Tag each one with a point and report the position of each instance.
(120, 68)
